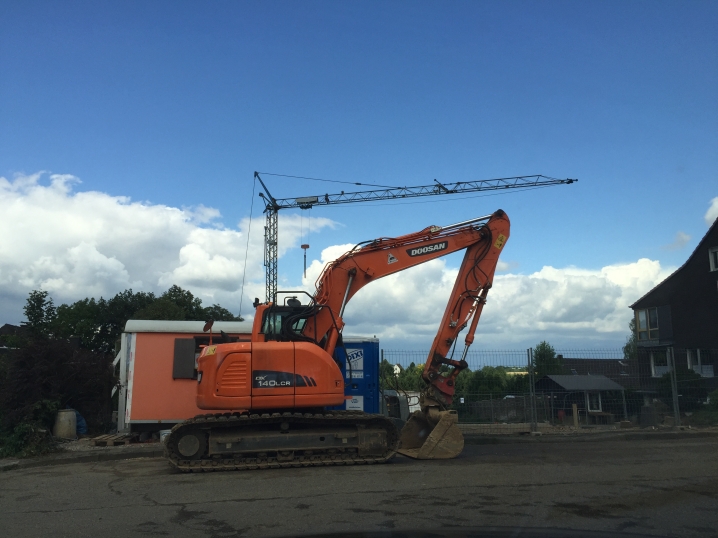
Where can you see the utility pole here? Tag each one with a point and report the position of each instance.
(273, 205)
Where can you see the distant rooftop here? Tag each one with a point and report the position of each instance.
(584, 382)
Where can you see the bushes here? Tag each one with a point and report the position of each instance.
(44, 377)
(713, 403)
(708, 416)
(691, 389)
(31, 436)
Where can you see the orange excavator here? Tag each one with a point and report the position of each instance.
(270, 395)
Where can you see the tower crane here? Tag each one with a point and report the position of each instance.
(273, 205)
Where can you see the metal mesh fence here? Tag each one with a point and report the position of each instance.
(519, 390)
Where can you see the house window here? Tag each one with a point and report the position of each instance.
(647, 324)
(713, 255)
(696, 358)
(593, 402)
(659, 363)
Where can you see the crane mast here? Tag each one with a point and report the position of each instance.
(273, 205)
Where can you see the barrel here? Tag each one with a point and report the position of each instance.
(65, 424)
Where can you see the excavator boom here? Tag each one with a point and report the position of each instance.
(431, 433)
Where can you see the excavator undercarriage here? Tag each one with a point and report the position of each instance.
(240, 441)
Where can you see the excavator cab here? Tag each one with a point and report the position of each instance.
(283, 323)
(286, 322)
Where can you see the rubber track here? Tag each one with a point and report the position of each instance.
(247, 420)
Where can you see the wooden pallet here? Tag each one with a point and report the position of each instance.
(114, 439)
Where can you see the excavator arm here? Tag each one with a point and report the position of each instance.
(367, 262)
(431, 432)
(261, 385)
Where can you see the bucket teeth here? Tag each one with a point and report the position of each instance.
(423, 441)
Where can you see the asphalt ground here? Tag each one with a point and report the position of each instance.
(660, 487)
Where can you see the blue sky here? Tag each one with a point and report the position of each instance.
(175, 104)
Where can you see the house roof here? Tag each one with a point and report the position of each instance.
(674, 273)
(11, 329)
(584, 382)
(195, 327)
(163, 326)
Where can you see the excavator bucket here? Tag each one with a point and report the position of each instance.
(423, 441)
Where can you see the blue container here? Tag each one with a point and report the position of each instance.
(360, 369)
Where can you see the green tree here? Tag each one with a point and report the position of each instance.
(99, 323)
(630, 349)
(191, 305)
(517, 383)
(40, 313)
(123, 305)
(489, 380)
(162, 308)
(462, 382)
(387, 379)
(546, 362)
(218, 313)
(81, 319)
(410, 378)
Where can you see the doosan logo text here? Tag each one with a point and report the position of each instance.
(428, 249)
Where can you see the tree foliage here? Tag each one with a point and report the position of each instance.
(546, 362)
(190, 305)
(40, 313)
(98, 323)
(162, 308)
(495, 381)
(218, 313)
(630, 349)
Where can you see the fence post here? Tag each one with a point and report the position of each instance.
(532, 389)
(574, 409)
(491, 403)
(625, 409)
(545, 406)
(552, 422)
(674, 386)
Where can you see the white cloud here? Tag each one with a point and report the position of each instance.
(504, 267)
(679, 242)
(712, 213)
(88, 244)
(79, 244)
(566, 306)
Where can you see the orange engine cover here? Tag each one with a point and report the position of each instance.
(267, 375)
